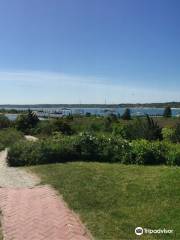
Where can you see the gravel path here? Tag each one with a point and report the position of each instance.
(14, 177)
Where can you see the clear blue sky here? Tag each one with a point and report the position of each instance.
(71, 51)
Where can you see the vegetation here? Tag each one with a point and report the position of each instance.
(113, 199)
(127, 114)
(89, 138)
(167, 112)
(88, 147)
(4, 122)
(140, 128)
(8, 137)
(25, 122)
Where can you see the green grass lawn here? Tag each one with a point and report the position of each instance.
(113, 199)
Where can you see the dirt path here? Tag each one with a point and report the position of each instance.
(14, 177)
(31, 212)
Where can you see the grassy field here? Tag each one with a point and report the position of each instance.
(113, 199)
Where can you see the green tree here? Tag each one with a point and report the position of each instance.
(167, 112)
(27, 121)
(127, 114)
(4, 122)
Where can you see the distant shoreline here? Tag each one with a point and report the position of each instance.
(122, 105)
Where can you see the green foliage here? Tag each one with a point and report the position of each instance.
(145, 152)
(120, 130)
(44, 128)
(173, 155)
(94, 127)
(152, 130)
(4, 122)
(25, 122)
(89, 147)
(62, 126)
(168, 133)
(108, 124)
(167, 112)
(114, 117)
(143, 129)
(8, 137)
(176, 133)
(127, 114)
(49, 127)
(61, 148)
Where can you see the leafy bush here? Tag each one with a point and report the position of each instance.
(152, 130)
(113, 149)
(8, 137)
(108, 124)
(94, 127)
(4, 122)
(168, 133)
(61, 148)
(121, 130)
(48, 127)
(25, 153)
(173, 155)
(45, 128)
(176, 134)
(63, 126)
(88, 147)
(51, 150)
(145, 152)
(143, 129)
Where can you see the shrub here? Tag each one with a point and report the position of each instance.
(4, 122)
(61, 148)
(45, 128)
(8, 137)
(173, 155)
(108, 124)
(62, 126)
(94, 127)
(143, 129)
(24, 153)
(113, 149)
(120, 130)
(51, 150)
(145, 152)
(152, 130)
(176, 134)
(89, 147)
(168, 134)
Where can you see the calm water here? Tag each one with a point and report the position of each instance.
(58, 112)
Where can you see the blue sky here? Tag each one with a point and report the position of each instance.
(72, 51)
